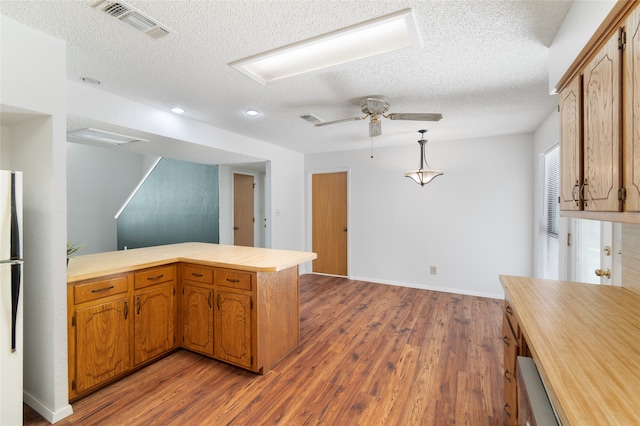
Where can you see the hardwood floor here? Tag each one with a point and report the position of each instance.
(370, 354)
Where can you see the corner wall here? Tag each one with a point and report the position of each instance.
(33, 84)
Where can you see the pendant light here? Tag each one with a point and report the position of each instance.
(424, 174)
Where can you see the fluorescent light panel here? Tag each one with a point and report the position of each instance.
(103, 136)
(386, 34)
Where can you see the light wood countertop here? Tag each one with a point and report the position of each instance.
(585, 340)
(234, 257)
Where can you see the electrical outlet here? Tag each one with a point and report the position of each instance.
(433, 270)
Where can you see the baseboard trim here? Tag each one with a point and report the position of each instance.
(46, 412)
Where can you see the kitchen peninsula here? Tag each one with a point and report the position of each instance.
(129, 308)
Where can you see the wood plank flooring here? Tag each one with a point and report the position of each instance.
(370, 354)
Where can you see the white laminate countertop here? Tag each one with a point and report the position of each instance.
(235, 257)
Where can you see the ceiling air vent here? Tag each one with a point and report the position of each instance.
(310, 118)
(134, 17)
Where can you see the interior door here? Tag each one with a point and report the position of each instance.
(243, 218)
(595, 252)
(329, 223)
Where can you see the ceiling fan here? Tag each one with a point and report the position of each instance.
(376, 106)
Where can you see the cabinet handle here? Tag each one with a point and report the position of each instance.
(218, 301)
(232, 280)
(138, 304)
(575, 194)
(506, 341)
(209, 299)
(197, 275)
(507, 411)
(582, 196)
(509, 310)
(100, 290)
(157, 277)
(507, 375)
(126, 310)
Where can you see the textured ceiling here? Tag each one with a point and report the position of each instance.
(482, 64)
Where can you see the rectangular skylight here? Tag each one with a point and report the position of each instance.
(385, 34)
(95, 135)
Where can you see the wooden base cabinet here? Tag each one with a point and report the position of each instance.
(515, 345)
(118, 323)
(155, 313)
(121, 322)
(196, 309)
(233, 321)
(99, 332)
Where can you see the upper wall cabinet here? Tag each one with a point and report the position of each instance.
(601, 89)
(631, 64)
(600, 124)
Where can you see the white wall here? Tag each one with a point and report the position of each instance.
(33, 83)
(473, 223)
(285, 180)
(99, 180)
(582, 20)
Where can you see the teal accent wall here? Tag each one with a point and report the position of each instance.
(178, 202)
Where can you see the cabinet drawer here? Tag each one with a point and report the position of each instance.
(197, 274)
(233, 279)
(98, 289)
(154, 276)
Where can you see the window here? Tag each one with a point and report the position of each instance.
(549, 225)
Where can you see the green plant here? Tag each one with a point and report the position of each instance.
(72, 248)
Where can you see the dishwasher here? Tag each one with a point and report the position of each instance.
(534, 406)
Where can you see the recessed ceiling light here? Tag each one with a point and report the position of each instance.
(251, 112)
(177, 110)
(385, 34)
(90, 80)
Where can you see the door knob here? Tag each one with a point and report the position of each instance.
(603, 273)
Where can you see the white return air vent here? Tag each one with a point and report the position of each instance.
(134, 17)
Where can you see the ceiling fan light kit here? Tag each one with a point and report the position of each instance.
(374, 107)
(423, 175)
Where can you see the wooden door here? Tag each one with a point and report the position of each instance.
(632, 117)
(154, 322)
(571, 146)
(602, 127)
(232, 328)
(102, 343)
(197, 318)
(329, 223)
(243, 218)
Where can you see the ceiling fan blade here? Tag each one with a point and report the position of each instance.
(414, 116)
(326, 123)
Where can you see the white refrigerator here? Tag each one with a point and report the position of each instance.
(11, 312)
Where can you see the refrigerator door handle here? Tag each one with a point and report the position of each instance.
(11, 262)
(16, 269)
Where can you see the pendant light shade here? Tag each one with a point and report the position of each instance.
(423, 175)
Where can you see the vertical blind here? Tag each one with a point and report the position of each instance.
(551, 214)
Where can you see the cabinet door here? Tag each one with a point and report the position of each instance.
(232, 328)
(571, 146)
(510, 341)
(102, 343)
(154, 322)
(632, 117)
(602, 127)
(197, 318)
